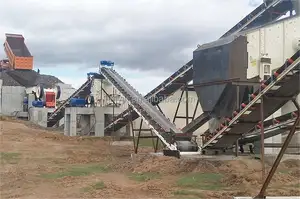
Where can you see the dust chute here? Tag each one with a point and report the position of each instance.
(223, 61)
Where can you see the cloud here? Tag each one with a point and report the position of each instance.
(136, 34)
(255, 3)
(143, 81)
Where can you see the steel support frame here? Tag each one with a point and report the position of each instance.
(136, 143)
(267, 181)
(113, 102)
(236, 82)
(187, 118)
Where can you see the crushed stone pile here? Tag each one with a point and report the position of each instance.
(27, 78)
(8, 80)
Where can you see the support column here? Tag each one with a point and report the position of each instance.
(99, 121)
(71, 123)
(67, 125)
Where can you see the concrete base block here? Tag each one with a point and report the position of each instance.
(86, 120)
(39, 115)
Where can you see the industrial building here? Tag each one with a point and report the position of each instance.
(246, 85)
(232, 77)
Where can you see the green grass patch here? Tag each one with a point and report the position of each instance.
(203, 181)
(96, 186)
(77, 171)
(143, 177)
(188, 194)
(11, 158)
(284, 171)
(296, 185)
(143, 142)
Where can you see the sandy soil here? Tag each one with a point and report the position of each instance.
(36, 163)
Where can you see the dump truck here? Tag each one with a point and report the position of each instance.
(17, 52)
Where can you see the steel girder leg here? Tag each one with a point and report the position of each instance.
(280, 155)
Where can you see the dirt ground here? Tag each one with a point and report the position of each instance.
(36, 163)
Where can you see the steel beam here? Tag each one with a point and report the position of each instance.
(280, 155)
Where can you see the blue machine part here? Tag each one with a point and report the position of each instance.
(77, 102)
(95, 75)
(39, 104)
(92, 74)
(106, 63)
(25, 100)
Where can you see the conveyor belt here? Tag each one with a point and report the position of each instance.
(270, 123)
(283, 84)
(273, 123)
(152, 116)
(196, 123)
(264, 13)
(272, 127)
(269, 132)
(59, 112)
(161, 92)
(185, 74)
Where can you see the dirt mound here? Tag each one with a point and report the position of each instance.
(255, 178)
(166, 165)
(239, 166)
(156, 188)
(291, 163)
(296, 173)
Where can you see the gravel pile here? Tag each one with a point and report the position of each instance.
(8, 80)
(27, 78)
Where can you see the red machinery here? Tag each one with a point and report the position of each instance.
(47, 96)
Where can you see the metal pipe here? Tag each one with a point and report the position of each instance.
(111, 99)
(101, 97)
(211, 83)
(153, 142)
(262, 139)
(131, 126)
(113, 111)
(139, 135)
(280, 155)
(187, 106)
(177, 108)
(160, 109)
(195, 111)
(156, 146)
(236, 148)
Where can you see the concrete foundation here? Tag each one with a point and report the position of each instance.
(85, 121)
(11, 99)
(39, 115)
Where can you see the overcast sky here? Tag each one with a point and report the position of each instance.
(69, 37)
